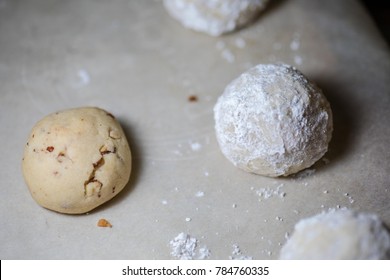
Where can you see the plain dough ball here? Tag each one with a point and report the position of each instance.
(214, 17)
(77, 159)
(337, 235)
(273, 121)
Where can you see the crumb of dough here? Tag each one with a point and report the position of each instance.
(192, 98)
(104, 223)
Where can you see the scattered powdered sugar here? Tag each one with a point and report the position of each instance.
(84, 78)
(269, 192)
(203, 253)
(298, 59)
(228, 55)
(196, 146)
(237, 254)
(304, 174)
(184, 247)
(240, 43)
(350, 199)
(199, 194)
(269, 253)
(294, 46)
(186, 148)
(295, 43)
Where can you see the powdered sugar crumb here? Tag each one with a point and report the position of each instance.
(268, 192)
(237, 254)
(305, 173)
(84, 78)
(228, 55)
(240, 43)
(298, 59)
(196, 146)
(295, 43)
(184, 247)
(203, 253)
(199, 194)
(350, 199)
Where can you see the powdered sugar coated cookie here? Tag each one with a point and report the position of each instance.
(214, 17)
(273, 121)
(338, 234)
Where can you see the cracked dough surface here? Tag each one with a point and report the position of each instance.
(76, 160)
(273, 121)
(338, 234)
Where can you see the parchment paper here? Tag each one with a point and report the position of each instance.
(130, 58)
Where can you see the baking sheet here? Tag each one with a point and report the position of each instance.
(130, 58)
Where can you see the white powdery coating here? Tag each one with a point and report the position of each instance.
(84, 77)
(338, 234)
(272, 121)
(237, 254)
(214, 17)
(183, 246)
(268, 192)
(203, 253)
